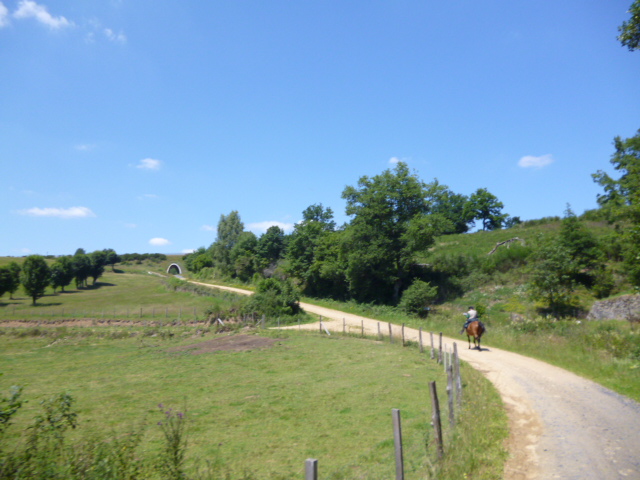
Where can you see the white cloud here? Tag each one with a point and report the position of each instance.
(84, 147)
(149, 164)
(529, 161)
(262, 227)
(130, 225)
(30, 9)
(4, 15)
(72, 212)
(394, 160)
(159, 242)
(115, 37)
(188, 250)
(208, 228)
(150, 196)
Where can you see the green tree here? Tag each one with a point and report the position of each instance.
(301, 249)
(14, 278)
(451, 207)
(81, 268)
(485, 206)
(271, 245)
(621, 199)
(111, 258)
(5, 279)
(62, 273)
(552, 272)
(244, 258)
(630, 30)
(35, 276)
(97, 262)
(579, 242)
(389, 225)
(229, 229)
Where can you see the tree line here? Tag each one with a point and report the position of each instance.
(35, 274)
(371, 258)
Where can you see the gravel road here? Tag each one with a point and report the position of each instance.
(561, 425)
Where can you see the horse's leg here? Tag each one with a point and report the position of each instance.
(469, 340)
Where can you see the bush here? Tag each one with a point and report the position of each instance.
(274, 298)
(417, 298)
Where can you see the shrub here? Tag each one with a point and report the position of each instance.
(274, 298)
(417, 298)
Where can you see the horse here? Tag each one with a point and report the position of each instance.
(475, 329)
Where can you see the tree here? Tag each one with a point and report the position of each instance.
(579, 242)
(451, 207)
(5, 279)
(630, 31)
(111, 258)
(271, 244)
(35, 276)
(81, 269)
(14, 278)
(97, 262)
(61, 273)
(229, 229)
(243, 256)
(485, 206)
(275, 297)
(621, 199)
(389, 225)
(552, 273)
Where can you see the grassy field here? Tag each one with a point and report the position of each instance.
(255, 414)
(261, 413)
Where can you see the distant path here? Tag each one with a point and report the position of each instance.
(562, 426)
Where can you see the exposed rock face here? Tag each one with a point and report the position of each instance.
(621, 308)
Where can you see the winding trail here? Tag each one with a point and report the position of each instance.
(562, 426)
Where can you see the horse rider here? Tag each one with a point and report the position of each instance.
(472, 316)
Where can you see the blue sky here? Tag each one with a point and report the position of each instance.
(134, 125)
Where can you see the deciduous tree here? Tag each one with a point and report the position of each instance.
(630, 30)
(35, 276)
(485, 206)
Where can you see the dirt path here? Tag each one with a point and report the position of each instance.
(561, 425)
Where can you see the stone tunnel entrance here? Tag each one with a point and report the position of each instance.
(174, 269)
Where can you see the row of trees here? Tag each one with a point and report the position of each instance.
(394, 215)
(35, 274)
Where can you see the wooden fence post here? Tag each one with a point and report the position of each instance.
(379, 332)
(344, 325)
(435, 418)
(452, 420)
(397, 441)
(390, 334)
(311, 469)
(456, 360)
(403, 334)
(432, 356)
(362, 328)
(440, 349)
(421, 345)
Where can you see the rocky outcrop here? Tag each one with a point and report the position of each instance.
(626, 307)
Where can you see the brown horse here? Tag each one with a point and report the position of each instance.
(475, 330)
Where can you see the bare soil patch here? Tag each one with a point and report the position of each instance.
(238, 343)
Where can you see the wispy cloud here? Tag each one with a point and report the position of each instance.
(159, 242)
(208, 228)
(30, 9)
(130, 225)
(115, 37)
(148, 196)
(72, 212)
(529, 161)
(84, 147)
(262, 227)
(149, 164)
(188, 250)
(4, 15)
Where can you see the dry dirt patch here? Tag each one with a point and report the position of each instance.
(238, 343)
